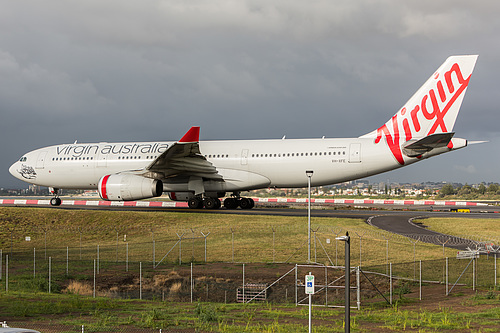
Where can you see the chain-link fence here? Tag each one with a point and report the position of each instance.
(220, 282)
(271, 244)
(227, 282)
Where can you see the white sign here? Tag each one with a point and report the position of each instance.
(310, 284)
(27, 238)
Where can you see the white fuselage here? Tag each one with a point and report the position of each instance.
(243, 164)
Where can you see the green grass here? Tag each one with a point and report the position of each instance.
(72, 311)
(28, 301)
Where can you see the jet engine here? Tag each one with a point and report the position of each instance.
(124, 187)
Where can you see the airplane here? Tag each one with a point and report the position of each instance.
(201, 172)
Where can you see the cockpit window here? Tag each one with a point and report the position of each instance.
(23, 159)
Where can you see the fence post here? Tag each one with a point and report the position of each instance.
(97, 258)
(7, 273)
(50, 271)
(80, 231)
(232, 244)
(93, 294)
(205, 236)
(296, 295)
(326, 285)
(336, 232)
(191, 282)
(34, 264)
(1, 256)
(274, 251)
(474, 273)
(45, 231)
(116, 245)
(154, 246)
(243, 283)
(126, 264)
(180, 247)
(415, 259)
(386, 254)
(192, 244)
(495, 267)
(67, 260)
(140, 280)
(420, 280)
(358, 287)
(390, 283)
(360, 236)
(446, 279)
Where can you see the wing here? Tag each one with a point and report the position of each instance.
(183, 160)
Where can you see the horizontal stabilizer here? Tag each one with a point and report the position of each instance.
(414, 148)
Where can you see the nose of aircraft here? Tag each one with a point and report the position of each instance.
(12, 170)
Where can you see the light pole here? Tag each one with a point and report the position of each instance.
(309, 174)
(347, 240)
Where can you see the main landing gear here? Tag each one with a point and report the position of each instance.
(215, 203)
(208, 203)
(244, 203)
(55, 201)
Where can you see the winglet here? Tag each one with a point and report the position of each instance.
(193, 135)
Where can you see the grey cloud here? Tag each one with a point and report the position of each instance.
(148, 70)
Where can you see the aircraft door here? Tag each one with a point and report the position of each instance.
(244, 157)
(40, 162)
(355, 153)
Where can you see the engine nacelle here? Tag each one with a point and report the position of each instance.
(180, 196)
(128, 187)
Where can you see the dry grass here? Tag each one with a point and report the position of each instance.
(79, 288)
(237, 238)
(487, 228)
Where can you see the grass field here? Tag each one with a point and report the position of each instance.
(251, 239)
(230, 238)
(466, 227)
(477, 312)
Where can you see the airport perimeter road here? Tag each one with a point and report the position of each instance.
(414, 227)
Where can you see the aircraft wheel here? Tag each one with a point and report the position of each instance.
(195, 203)
(211, 203)
(55, 201)
(246, 203)
(218, 204)
(230, 203)
(252, 203)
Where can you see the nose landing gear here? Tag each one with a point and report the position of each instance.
(55, 201)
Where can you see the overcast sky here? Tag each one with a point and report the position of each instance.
(124, 70)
